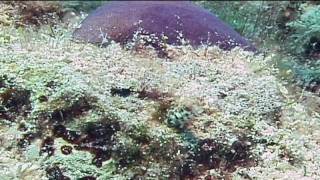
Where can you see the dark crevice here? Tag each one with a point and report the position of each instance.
(75, 110)
(122, 92)
(55, 173)
(211, 154)
(15, 102)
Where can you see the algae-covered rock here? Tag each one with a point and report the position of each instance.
(108, 113)
(156, 128)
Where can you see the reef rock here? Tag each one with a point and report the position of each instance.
(162, 22)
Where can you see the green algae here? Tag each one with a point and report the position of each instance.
(237, 111)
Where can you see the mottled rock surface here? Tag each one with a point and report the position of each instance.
(122, 20)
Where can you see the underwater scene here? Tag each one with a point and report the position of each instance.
(159, 90)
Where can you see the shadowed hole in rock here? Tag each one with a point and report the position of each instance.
(211, 154)
(51, 84)
(314, 86)
(88, 178)
(2, 83)
(208, 153)
(238, 155)
(123, 92)
(312, 48)
(153, 94)
(43, 99)
(14, 102)
(55, 173)
(47, 146)
(27, 139)
(66, 150)
(75, 110)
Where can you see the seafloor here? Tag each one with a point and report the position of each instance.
(72, 110)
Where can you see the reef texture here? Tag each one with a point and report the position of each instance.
(76, 111)
(158, 23)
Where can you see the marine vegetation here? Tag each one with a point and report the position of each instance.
(71, 110)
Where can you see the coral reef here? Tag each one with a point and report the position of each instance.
(77, 111)
(152, 128)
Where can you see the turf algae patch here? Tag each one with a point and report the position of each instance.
(140, 132)
(106, 113)
(89, 128)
